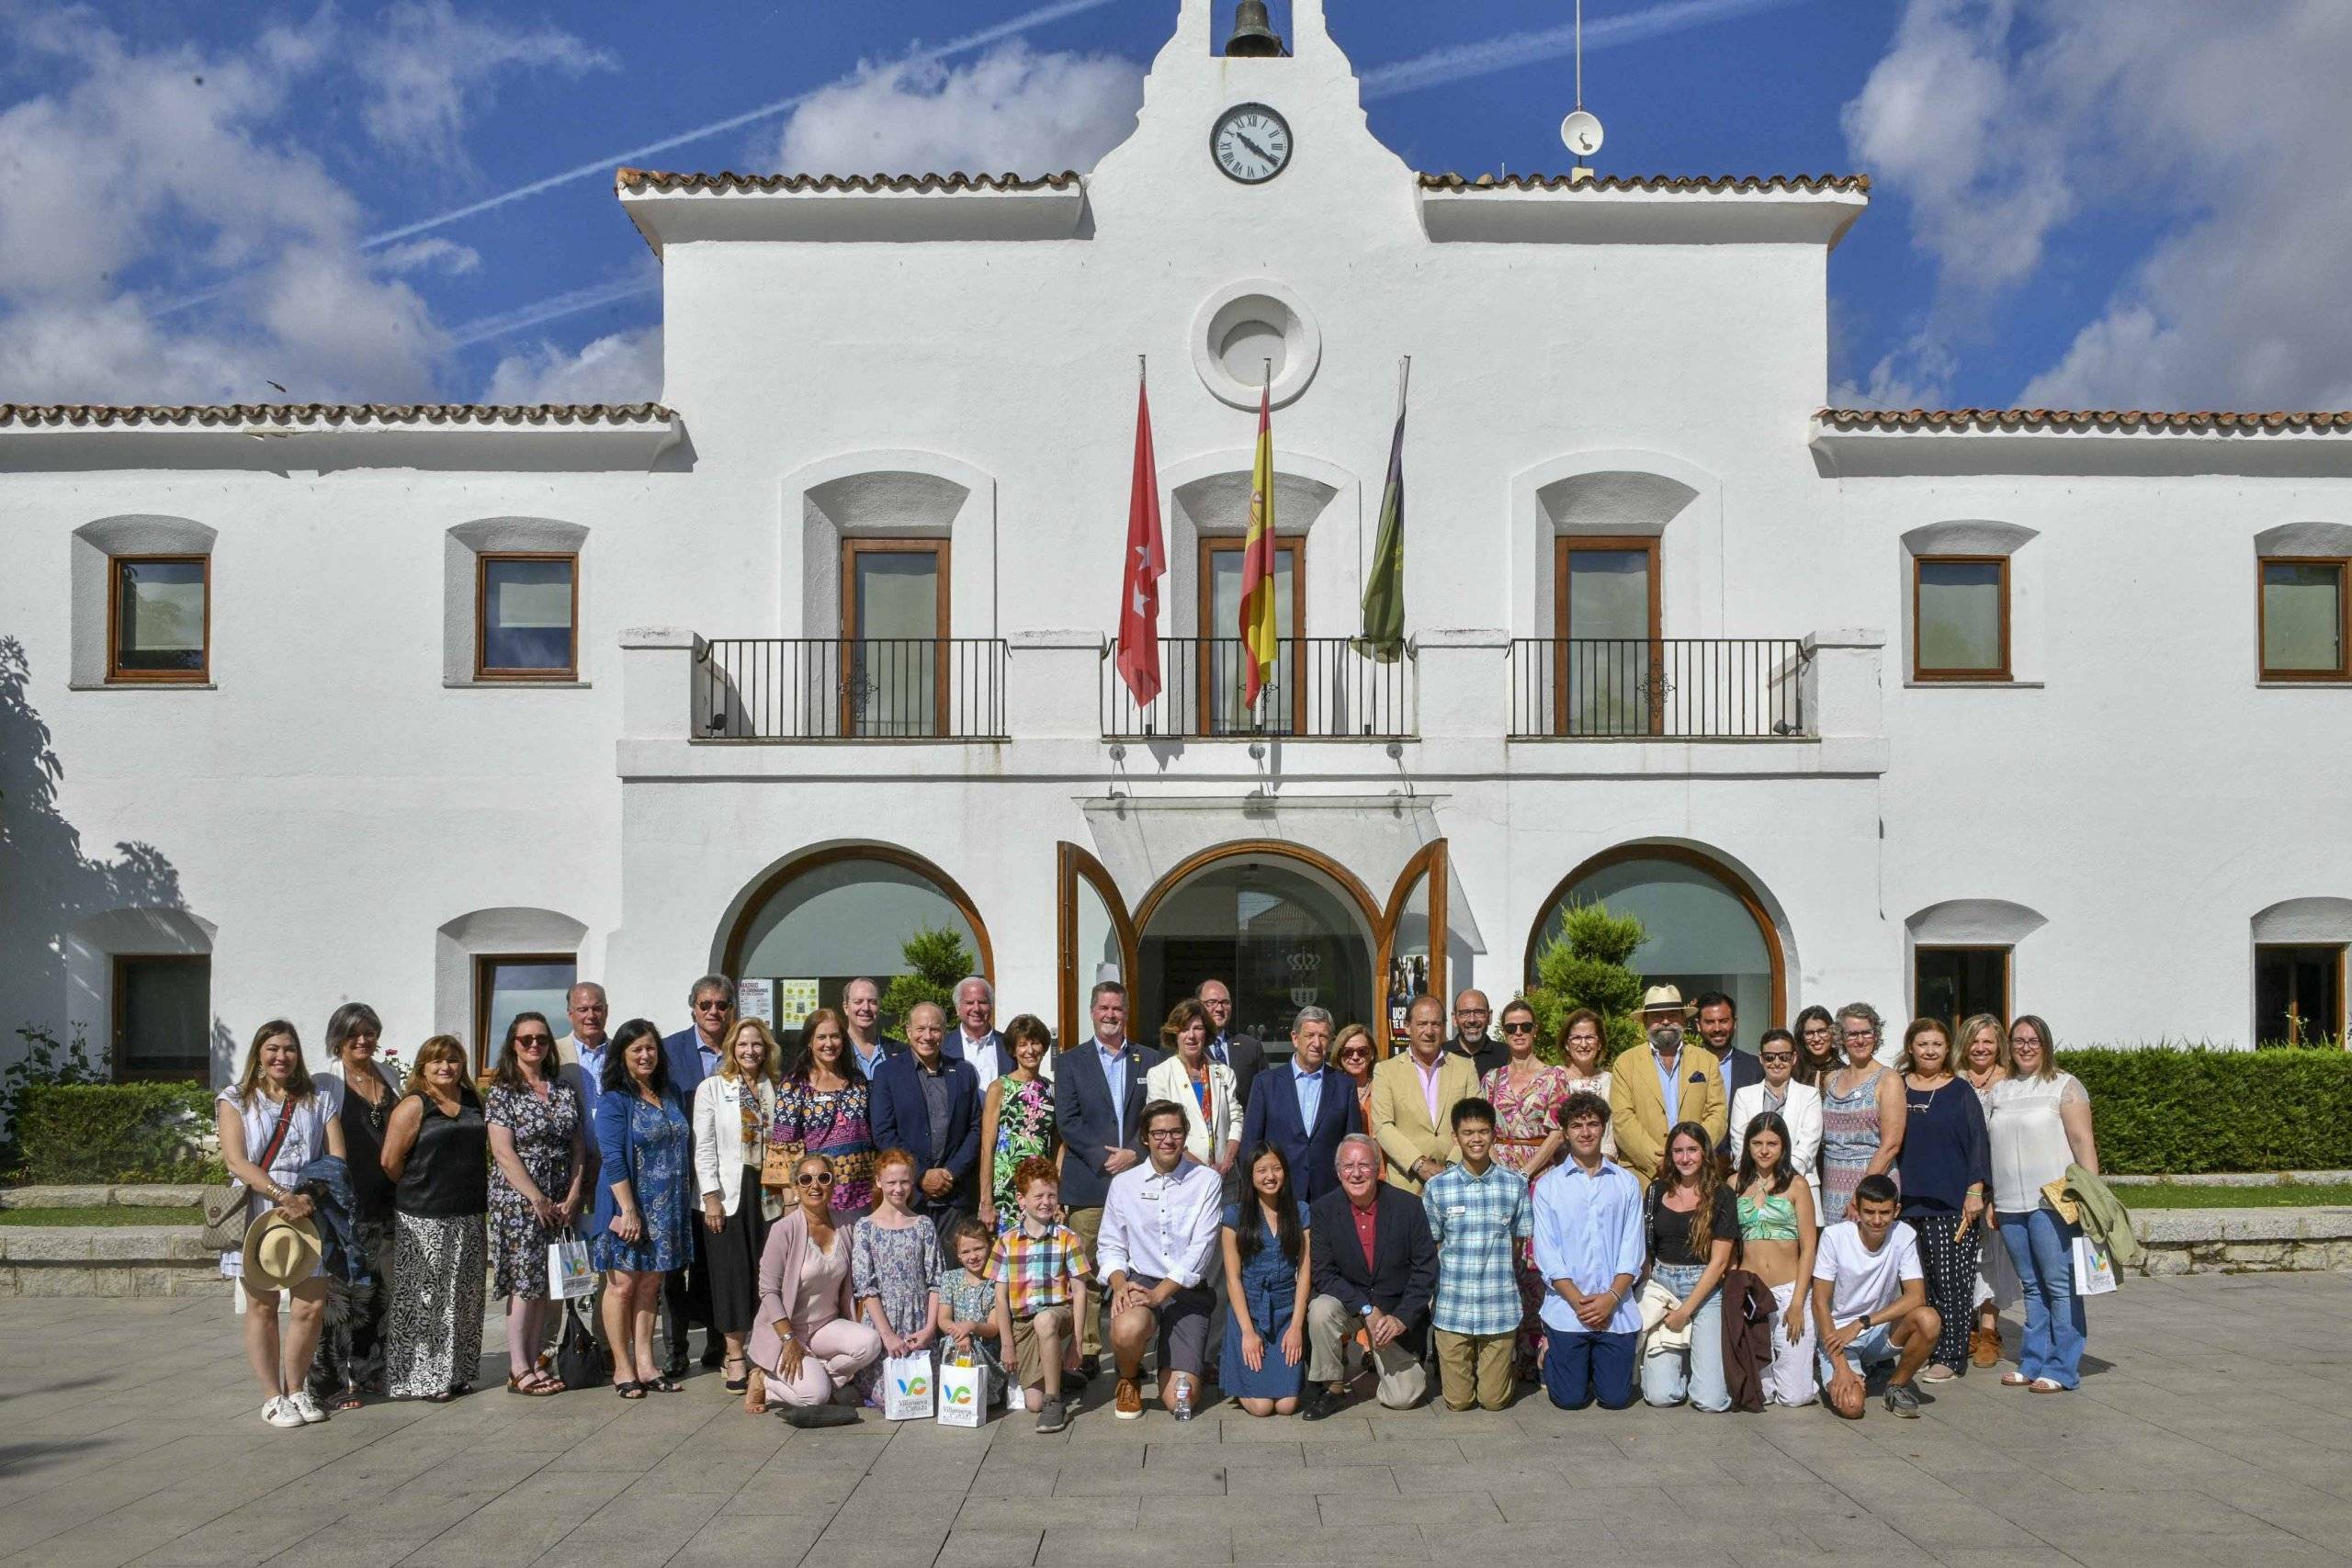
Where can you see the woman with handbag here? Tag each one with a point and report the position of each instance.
(272, 1124)
(536, 1139)
(360, 1086)
(644, 1176)
(2041, 1124)
(437, 1151)
(733, 1109)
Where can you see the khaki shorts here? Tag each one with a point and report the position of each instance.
(1029, 1357)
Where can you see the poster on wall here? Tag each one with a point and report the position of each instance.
(755, 999)
(795, 1000)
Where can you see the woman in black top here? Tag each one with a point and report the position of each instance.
(437, 1150)
(1693, 1223)
(1946, 1168)
(360, 1089)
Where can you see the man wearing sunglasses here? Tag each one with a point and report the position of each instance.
(693, 1055)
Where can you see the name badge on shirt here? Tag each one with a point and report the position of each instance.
(1457, 1208)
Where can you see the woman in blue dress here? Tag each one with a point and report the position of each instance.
(645, 1139)
(1267, 1283)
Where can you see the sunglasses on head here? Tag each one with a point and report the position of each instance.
(815, 1178)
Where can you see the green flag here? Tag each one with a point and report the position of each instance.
(1384, 588)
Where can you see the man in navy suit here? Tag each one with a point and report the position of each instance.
(1304, 1108)
(693, 1055)
(862, 1015)
(1718, 1029)
(1098, 1108)
(1240, 1052)
(929, 1104)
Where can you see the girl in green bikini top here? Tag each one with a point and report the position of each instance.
(1777, 1232)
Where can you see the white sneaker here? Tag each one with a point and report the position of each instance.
(306, 1407)
(281, 1411)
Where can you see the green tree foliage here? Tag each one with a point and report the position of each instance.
(935, 960)
(1585, 966)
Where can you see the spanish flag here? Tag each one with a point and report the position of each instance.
(1259, 644)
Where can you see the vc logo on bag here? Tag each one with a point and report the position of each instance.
(915, 1387)
(960, 1395)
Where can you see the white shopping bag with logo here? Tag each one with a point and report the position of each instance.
(963, 1394)
(2094, 1267)
(906, 1382)
(569, 1276)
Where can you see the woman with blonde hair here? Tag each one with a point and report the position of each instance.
(2041, 1124)
(1984, 1064)
(437, 1150)
(734, 1107)
(1205, 1090)
(272, 1124)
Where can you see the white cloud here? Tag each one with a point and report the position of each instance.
(2003, 121)
(1011, 110)
(431, 65)
(432, 254)
(625, 367)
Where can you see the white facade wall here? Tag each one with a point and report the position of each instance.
(336, 813)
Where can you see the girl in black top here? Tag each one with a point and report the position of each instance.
(437, 1150)
(1693, 1223)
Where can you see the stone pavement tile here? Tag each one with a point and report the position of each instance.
(235, 1539)
(1774, 1554)
(113, 1539)
(1431, 1450)
(1161, 1481)
(2272, 1549)
(991, 1548)
(854, 1548)
(1940, 1527)
(781, 1488)
(1010, 1509)
(1996, 1557)
(1551, 1505)
(1338, 1480)
(1091, 1546)
(1445, 1510)
(1223, 1456)
(741, 1540)
(537, 1514)
(893, 1508)
(1228, 1519)
(1329, 1544)
(1341, 1428)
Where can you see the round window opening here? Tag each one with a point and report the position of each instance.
(1249, 347)
(1249, 331)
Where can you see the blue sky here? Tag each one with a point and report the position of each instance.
(2093, 202)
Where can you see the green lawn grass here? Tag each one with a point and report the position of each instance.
(111, 1215)
(2277, 1195)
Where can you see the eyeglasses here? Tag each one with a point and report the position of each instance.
(1474, 1013)
(534, 1040)
(1861, 1034)
(815, 1178)
(1776, 1055)
(1518, 1029)
(1165, 1134)
(713, 1005)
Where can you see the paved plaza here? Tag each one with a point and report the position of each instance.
(2213, 1428)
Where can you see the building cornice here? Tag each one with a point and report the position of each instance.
(283, 438)
(1868, 442)
(670, 209)
(1657, 209)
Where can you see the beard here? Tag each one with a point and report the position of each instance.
(1667, 1037)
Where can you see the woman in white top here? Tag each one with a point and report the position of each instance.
(2041, 1124)
(1798, 1104)
(734, 1107)
(1206, 1090)
(1587, 1059)
(274, 1088)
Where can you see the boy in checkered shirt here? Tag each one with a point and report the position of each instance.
(1041, 1272)
(1479, 1216)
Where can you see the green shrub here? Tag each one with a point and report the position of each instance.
(2174, 1111)
(108, 1132)
(935, 960)
(1584, 966)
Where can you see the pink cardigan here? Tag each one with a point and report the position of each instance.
(780, 1287)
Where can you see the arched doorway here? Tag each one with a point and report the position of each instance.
(1707, 929)
(822, 920)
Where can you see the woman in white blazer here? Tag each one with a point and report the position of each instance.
(733, 1109)
(1207, 1091)
(1799, 1105)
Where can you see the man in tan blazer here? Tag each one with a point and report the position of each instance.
(1639, 1109)
(1413, 1095)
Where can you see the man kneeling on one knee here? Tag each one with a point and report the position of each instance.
(1159, 1240)
(1375, 1269)
(1869, 1302)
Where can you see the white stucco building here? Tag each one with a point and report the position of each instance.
(437, 708)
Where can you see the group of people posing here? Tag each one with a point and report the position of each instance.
(1690, 1222)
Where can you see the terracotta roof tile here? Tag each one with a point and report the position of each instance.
(102, 415)
(653, 179)
(2078, 420)
(1812, 184)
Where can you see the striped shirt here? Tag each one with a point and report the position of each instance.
(1477, 1223)
(1036, 1272)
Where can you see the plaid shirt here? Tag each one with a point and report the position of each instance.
(1036, 1270)
(1477, 1222)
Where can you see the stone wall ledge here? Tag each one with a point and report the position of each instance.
(2238, 1178)
(126, 1195)
(2186, 1228)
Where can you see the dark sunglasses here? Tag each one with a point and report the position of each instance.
(1518, 1029)
(815, 1178)
(1776, 1055)
(534, 1040)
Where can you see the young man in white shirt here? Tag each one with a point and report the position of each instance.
(1159, 1240)
(1869, 1302)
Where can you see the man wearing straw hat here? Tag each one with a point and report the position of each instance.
(1653, 1087)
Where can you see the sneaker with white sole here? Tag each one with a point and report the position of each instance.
(281, 1411)
(306, 1407)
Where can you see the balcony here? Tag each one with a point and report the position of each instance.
(821, 689)
(1658, 688)
(1322, 689)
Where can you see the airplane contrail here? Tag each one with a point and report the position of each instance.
(571, 302)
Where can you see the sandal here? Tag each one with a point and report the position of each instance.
(737, 1385)
(2015, 1380)
(2044, 1385)
(533, 1384)
(348, 1399)
(629, 1390)
(664, 1385)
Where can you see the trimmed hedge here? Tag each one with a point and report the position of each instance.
(2163, 1112)
(71, 1133)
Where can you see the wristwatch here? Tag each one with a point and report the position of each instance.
(1368, 1310)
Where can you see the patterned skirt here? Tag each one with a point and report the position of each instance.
(439, 1272)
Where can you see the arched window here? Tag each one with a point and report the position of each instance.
(1707, 929)
(825, 918)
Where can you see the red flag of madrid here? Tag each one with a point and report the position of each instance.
(1147, 561)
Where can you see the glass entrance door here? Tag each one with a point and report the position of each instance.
(1275, 932)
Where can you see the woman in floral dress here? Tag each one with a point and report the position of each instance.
(822, 1109)
(1017, 1121)
(1527, 1093)
(537, 1160)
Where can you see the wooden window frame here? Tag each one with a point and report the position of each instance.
(2343, 671)
(119, 963)
(2008, 976)
(1565, 546)
(2341, 1031)
(116, 673)
(1920, 671)
(942, 550)
(483, 962)
(1291, 545)
(483, 670)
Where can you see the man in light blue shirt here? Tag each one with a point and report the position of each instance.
(1588, 1249)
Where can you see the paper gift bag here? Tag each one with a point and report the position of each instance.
(569, 1275)
(906, 1381)
(963, 1394)
(2094, 1267)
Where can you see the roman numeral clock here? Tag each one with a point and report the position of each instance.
(1251, 143)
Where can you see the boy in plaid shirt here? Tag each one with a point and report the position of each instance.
(1041, 1272)
(1480, 1215)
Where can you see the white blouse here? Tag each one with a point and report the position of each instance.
(306, 1140)
(2029, 1138)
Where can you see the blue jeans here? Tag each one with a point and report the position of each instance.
(1669, 1375)
(1580, 1367)
(2043, 1246)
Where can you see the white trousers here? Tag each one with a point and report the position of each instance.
(1790, 1379)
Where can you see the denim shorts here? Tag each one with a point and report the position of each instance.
(1872, 1346)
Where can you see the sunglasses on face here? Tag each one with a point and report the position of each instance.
(1518, 1029)
(534, 1040)
(815, 1178)
(1776, 1055)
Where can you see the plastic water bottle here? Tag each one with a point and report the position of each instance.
(1185, 1400)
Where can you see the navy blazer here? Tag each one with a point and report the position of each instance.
(681, 1053)
(1402, 1280)
(1089, 1123)
(1246, 1054)
(1745, 1070)
(901, 1120)
(1312, 1152)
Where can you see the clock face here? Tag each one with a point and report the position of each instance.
(1250, 143)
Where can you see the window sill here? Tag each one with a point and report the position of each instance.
(140, 686)
(517, 686)
(1917, 684)
(2316, 684)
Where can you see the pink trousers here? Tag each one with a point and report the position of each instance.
(832, 1354)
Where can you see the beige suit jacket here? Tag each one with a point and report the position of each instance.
(1400, 1113)
(1637, 1106)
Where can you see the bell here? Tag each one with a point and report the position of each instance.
(1253, 32)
